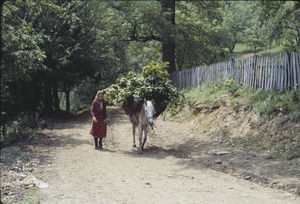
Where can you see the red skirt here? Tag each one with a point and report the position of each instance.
(98, 129)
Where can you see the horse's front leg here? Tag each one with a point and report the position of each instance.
(140, 138)
(133, 134)
(145, 137)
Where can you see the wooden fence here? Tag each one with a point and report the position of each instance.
(277, 73)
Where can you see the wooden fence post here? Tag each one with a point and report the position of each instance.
(255, 71)
(243, 71)
(260, 73)
(282, 72)
(288, 70)
(232, 69)
(294, 71)
(263, 73)
(271, 73)
(279, 72)
(298, 69)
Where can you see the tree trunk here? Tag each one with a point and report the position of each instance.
(67, 92)
(169, 55)
(55, 98)
(168, 45)
(4, 131)
(48, 100)
(231, 48)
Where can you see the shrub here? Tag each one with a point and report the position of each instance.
(231, 85)
(152, 83)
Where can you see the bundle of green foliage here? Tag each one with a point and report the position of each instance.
(152, 84)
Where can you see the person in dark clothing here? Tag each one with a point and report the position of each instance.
(98, 111)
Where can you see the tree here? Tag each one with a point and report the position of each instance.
(161, 21)
(21, 57)
(149, 21)
(282, 21)
(74, 48)
(236, 19)
(253, 37)
(253, 33)
(197, 27)
(168, 42)
(50, 47)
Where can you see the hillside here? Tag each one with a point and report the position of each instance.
(269, 142)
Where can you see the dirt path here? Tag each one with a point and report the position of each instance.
(173, 169)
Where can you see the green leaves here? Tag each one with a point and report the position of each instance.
(21, 54)
(152, 83)
(231, 85)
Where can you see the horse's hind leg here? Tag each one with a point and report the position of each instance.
(133, 134)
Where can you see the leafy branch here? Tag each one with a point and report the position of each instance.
(152, 83)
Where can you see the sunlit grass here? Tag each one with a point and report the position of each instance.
(272, 51)
(261, 101)
(267, 51)
(205, 93)
(243, 48)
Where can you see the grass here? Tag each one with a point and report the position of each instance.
(261, 101)
(79, 109)
(241, 51)
(278, 111)
(205, 93)
(270, 51)
(270, 101)
(27, 199)
(244, 48)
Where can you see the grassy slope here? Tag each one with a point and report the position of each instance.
(259, 121)
(273, 50)
(243, 51)
(253, 120)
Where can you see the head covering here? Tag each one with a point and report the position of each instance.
(99, 92)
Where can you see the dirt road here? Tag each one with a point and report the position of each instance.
(171, 170)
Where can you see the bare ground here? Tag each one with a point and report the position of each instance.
(179, 165)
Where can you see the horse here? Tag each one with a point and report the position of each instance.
(142, 118)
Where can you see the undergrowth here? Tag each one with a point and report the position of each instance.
(278, 115)
(260, 101)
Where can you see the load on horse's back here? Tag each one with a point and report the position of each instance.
(131, 107)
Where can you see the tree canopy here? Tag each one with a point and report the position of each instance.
(283, 21)
(54, 50)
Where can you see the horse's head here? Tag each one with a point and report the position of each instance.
(150, 111)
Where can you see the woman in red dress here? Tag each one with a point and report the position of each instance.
(98, 112)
